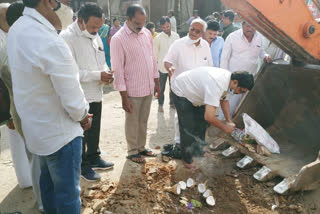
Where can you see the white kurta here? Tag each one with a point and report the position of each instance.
(240, 55)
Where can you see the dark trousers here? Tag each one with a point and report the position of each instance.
(163, 81)
(192, 127)
(90, 145)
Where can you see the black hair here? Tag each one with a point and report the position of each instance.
(245, 79)
(150, 25)
(164, 19)
(213, 25)
(133, 9)
(115, 19)
(171, 11)
(31, 3)
(229, 14)
(216, 15)
(88, 10)
(14, 11)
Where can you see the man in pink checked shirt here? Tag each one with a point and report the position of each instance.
(136, 78)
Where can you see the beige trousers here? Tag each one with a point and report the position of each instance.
(136, 124)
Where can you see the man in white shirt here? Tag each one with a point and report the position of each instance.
(197, 95)
(187, 53)
(87, 49)
(241, 52)
(161, 45)
(50, 102)
(173, 21)
(26, 164)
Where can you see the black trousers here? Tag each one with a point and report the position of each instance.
(163, 80)
(192, 126)
(90, 141)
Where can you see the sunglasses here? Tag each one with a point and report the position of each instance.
(195, 30)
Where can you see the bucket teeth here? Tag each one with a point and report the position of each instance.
(244, 162)
(230, 152)
(283, 187)
(263, 174)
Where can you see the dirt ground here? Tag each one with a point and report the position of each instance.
(133, 188)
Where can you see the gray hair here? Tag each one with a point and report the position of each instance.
(200, 21)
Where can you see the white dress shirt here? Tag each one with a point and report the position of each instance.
(46, 87)
(173, 23)
(240, 55)
(203, 85)
(90, 57)
(161, 45)
(185, 56)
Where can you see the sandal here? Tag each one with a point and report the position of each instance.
(136, 158)
(147, 153)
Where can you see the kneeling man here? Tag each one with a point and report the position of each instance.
(197, 95)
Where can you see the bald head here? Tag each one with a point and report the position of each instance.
(3, 21)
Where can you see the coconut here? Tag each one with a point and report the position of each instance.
(183, 185)
(201, 188)
(175, 189)
(210, 201)
(183, 202)
(207, 193)
(190, 183)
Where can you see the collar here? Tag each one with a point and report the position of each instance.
(129, 31)
(166, 35)
(34, 14)
(244, 37)
(76, 28)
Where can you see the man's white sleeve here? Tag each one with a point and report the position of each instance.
(172, 55)
(226, 53)
(60, 66)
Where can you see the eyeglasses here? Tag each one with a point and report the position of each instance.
(195, 30)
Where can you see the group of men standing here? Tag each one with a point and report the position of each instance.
(57, 85)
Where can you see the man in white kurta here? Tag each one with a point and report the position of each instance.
(241, 52)
(87, 50)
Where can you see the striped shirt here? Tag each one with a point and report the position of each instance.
(133, 62)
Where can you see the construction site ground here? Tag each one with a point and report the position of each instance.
(138, 189)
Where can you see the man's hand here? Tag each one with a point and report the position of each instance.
(86, 122)
(268, 59)
(228, 129)
(10, 124)
(126, 102)
(171, 71)
(230, 123)
(127, 105)
(107, 77)
(156, 88)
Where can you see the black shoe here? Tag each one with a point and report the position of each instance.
(90, 175)
(101, 164)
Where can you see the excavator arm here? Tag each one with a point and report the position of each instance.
(287, 23)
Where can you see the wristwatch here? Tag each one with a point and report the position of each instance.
(58, 6)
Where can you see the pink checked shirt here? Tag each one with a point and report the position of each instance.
(133, 62)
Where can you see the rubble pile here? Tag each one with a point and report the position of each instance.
(145, 192)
